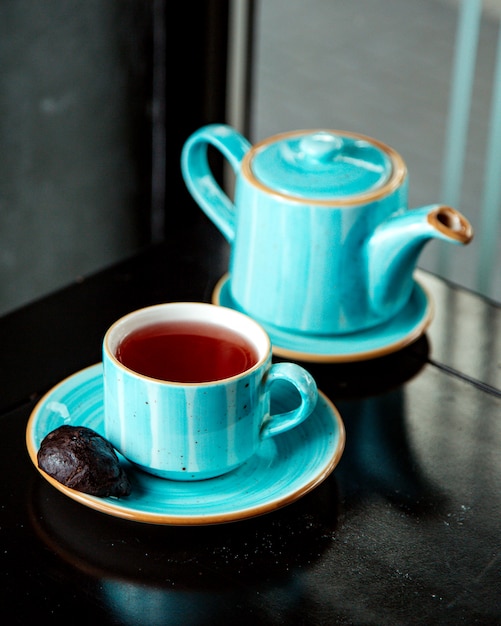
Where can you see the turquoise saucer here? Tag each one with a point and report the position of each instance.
(285, 468)
(402, 330)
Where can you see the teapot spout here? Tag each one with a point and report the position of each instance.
(395, 246)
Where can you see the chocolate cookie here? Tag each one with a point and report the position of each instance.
(81, 459)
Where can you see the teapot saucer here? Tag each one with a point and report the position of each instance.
(400, 331)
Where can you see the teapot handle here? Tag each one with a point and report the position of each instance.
(198, 176)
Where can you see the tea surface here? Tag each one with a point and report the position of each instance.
(187, 352)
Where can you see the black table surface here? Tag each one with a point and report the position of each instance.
(406, 530)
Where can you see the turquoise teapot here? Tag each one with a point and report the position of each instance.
(322, 240)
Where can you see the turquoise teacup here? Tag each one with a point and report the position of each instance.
(188, 387)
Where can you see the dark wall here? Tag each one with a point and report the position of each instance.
(96, 99)
(195, 88)
(75, 95)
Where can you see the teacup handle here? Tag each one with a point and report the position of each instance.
(198, 176)
(307, 388)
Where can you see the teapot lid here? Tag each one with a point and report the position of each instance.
(321, 165)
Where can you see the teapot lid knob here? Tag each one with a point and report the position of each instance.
(321, 165)
(322, 146)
